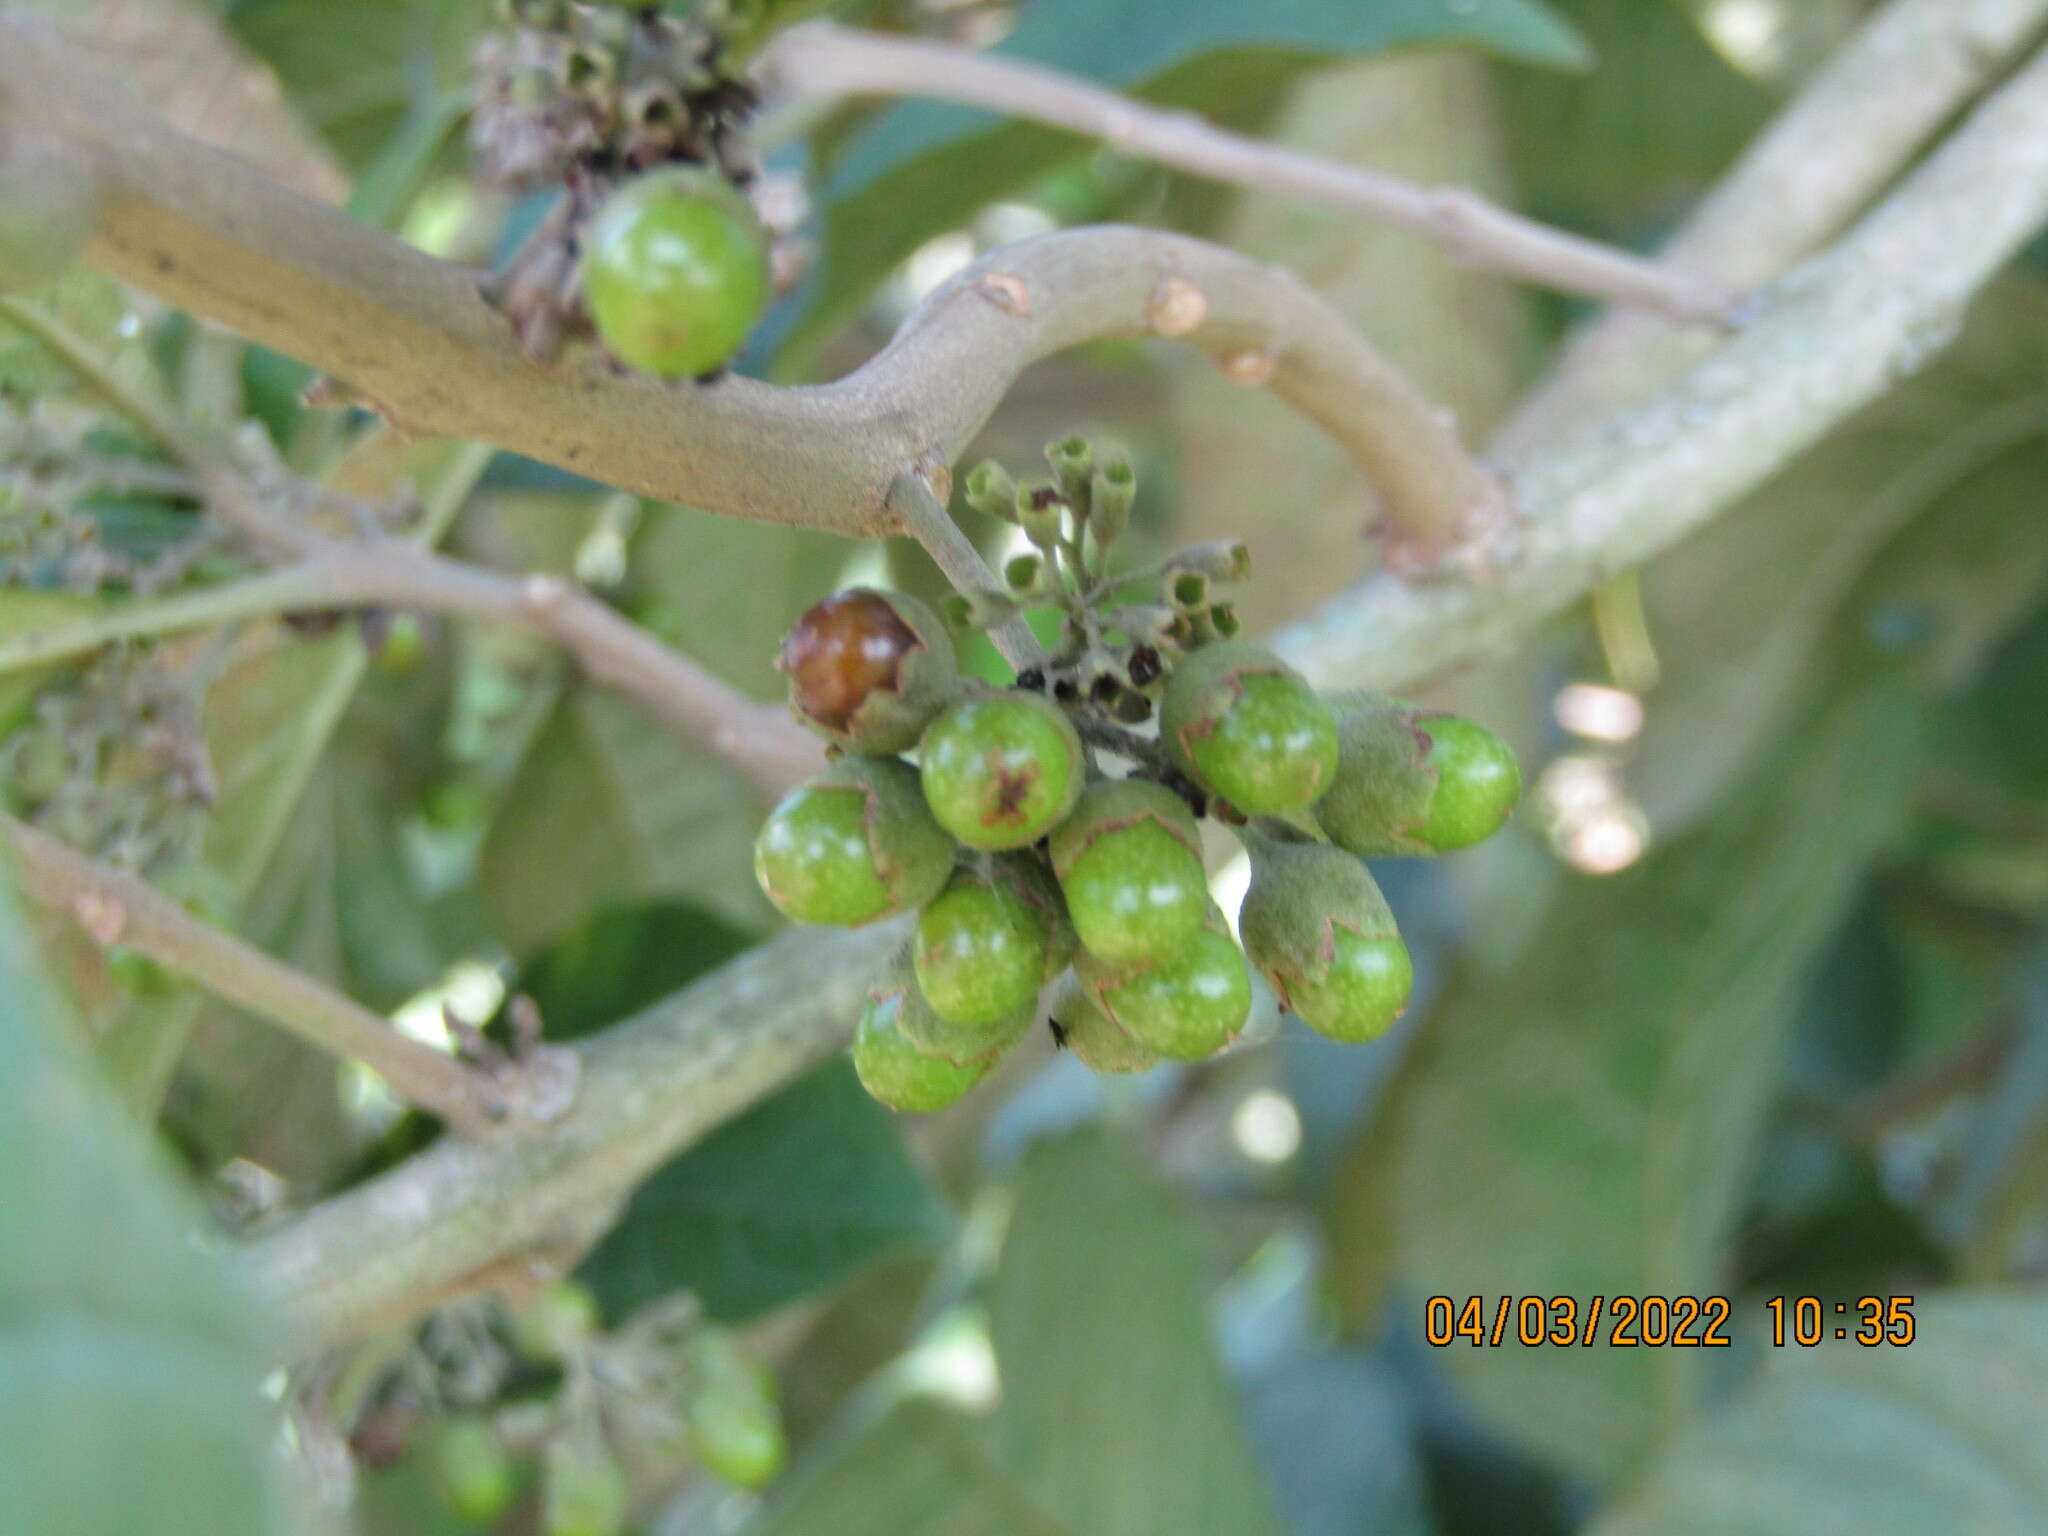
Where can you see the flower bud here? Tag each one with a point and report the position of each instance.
(1411, 781)
(1097, 1041)
(1129, 862)
(1223, 560)
(1320, 932)
(989, 489)
(1185, 1006)
(1110, 497)
(868, 669)
(1073, 461)
(1041, 513)
(854, 845)
(1247, 727)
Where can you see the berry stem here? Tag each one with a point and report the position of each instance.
(927, 520)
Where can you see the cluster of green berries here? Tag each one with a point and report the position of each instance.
(639, 117)
(723, 1403)
(1030, 866)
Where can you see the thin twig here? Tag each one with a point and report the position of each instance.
(142, 410)
(926, 519)
(115, 907)
(822, 59)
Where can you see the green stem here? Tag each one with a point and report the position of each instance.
(99, 375)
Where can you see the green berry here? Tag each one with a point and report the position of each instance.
(894, 1070)
(729, 1409)
(470, 1467)
(1129, 862)
(980, 950)
(899, 997)
(852, 846)
(1002, 771)
(675, 272)
(1320, 932)
(555, 1321)
(584, 1490)
(1249, 728)
(868, 669)
(1185, 1007)
(1097, 1041)
(1410, 781)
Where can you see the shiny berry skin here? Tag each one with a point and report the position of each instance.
(868, 669)
(1320, 932)
(894, 1070)
(1361, 990)
(852, 846)
(1248, 728)
(1478, 782)
(1185, 1007)
(1001, 771)
(1130, 866)
(899, 995)
(729, 1409)
(675, 272)
(980, 951)
(1097, 1041)
(471, 1467)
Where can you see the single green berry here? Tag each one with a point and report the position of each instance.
(898, 998)
(868, 669)
(555, 1321)
(675, 272)
(980, 950)
(1184, 1007)
(1129, 862)
(852, 846)
(894, 1070)
(1001, 771)
(729, 1409)
(1249, 728)
(471, 1467)
(1411, 781)
(1097, 1041)
(584, 1490)
(1316, 926)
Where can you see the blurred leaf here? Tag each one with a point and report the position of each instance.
(1115, 1411)
(923, 168)
(786, 1200)
(610, 807)
(623, 960)
(25, 613)
(1947, 1434)
(920, 1470)
(1335, 1432)
(129, 1355)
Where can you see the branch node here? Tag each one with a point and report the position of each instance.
(103, 917)
(1007, 291)
(1177, 307)
(1250, 367)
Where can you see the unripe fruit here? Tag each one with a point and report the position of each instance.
(1129, 862)
(675, 272)
(1320, 932)
(980, 950)
(1412, 782)
(898, 998)
(584, 1491)
(1249, 728)
(729, 1409)
(555, 1321)
(1097, 1041)
(1184, 1007)
(1002, 771)
(868, 669)
(471, 1467)
(852, 846)
(892, 1068)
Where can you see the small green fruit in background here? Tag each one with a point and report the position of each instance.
(675, 272)
(852, 846)
(1129, 861)
(1184, 1007)
(1410, 781)
(896, 1071)
(730, 1412)
(1247, 727)
(980, 950)
(556, 1321)
(583, 1489)
(868, 669)
(1002, 771)
(1316, 926)
(470, 1467)
(1097, 1041)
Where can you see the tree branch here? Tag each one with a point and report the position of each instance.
(115, 907)
(213, 235)
(1830, 339)
(822, 59)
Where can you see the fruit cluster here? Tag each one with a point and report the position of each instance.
(1031, 865)
(640, 118)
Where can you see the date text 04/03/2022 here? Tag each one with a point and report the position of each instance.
(1661, 1322)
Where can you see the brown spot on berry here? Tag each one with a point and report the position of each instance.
(841, 650)
(1012, 789)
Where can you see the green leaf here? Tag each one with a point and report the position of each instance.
(129, 1355)
(786, 1200)
(1949, 1433)
(920, 1470)
(922, 168)
(1115, 1411)
(621, 961)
